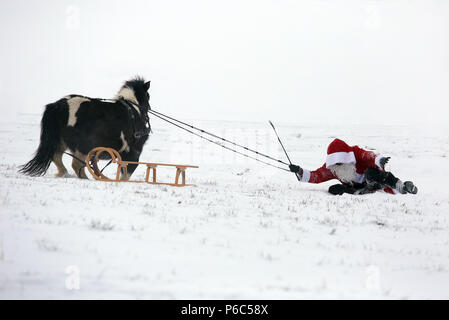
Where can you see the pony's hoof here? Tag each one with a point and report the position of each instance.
(62, 175)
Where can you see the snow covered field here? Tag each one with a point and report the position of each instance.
(244, 231)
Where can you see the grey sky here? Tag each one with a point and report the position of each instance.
(294, 61)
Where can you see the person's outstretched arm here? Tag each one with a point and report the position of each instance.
(317, 176)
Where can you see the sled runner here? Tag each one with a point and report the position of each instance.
(96, 154)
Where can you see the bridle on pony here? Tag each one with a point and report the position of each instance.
(145, 132)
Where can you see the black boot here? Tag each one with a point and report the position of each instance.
(409, 187)
(339, 189)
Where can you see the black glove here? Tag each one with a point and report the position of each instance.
(296, 169)
(383, 161)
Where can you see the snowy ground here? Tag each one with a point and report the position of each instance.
(245, 231)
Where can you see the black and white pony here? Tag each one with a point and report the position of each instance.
(80, 124)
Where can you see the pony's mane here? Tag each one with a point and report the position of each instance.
(128, 88)
(136, 81)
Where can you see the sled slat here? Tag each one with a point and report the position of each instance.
(92, 165)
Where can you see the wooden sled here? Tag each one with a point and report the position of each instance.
(94, 156)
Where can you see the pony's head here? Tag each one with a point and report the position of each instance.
(136, 90)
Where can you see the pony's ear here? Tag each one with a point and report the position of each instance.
(147, 85)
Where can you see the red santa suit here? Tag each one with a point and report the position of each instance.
(340, 152)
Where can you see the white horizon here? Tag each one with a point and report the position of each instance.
(355, 62)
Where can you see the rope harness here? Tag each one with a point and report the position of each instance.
(180, 124)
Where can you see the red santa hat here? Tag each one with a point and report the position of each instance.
(339, 152)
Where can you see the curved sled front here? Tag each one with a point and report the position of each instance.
(96, 154)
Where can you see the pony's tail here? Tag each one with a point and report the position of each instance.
(49, 142)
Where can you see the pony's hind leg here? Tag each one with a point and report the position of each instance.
(78, 166)
(57, 160)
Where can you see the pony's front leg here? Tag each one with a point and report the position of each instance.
(129, 156)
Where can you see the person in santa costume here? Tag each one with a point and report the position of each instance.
(359, 171)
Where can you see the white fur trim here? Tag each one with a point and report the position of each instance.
(305, 175)
(340, 157)
(128, 94)
(74, 105)
(377, 161)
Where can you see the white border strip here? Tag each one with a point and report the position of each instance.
(377, 161)
(305, 175)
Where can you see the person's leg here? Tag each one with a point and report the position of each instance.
(378, 179)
